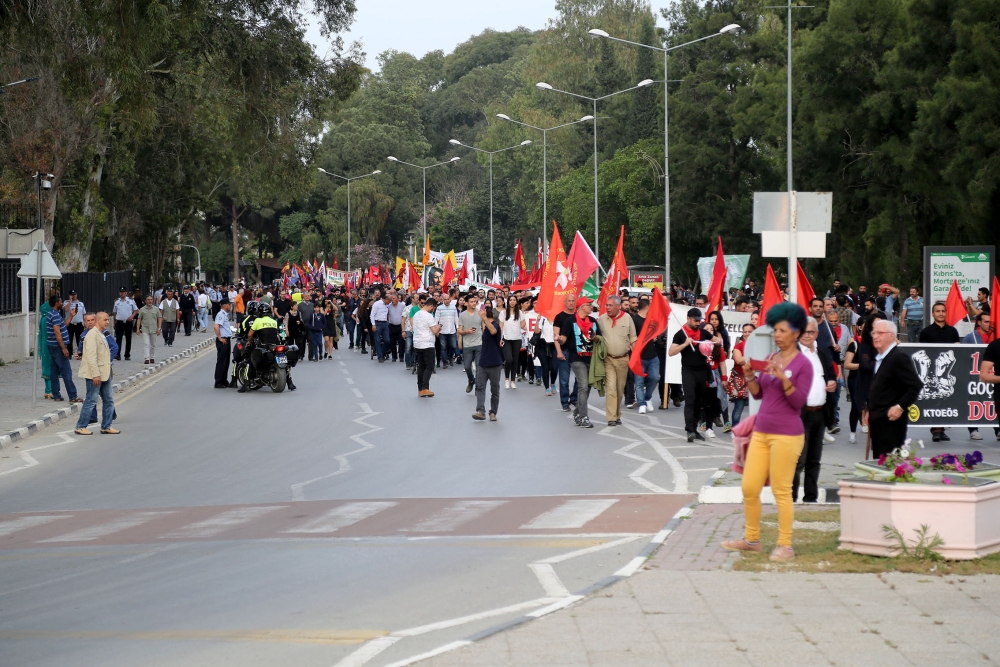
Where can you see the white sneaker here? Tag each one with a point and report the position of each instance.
(974, 435)
(853, 439)
(506, 384)
(709, 432)
(642, 409)
(864, 429)
(828, 438)
(513, 385)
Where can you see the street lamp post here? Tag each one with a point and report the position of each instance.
(541, 85)
(545, 150)
(377, 171)
(188, 245)
(430, 166)
(596, 33)
(456, 142)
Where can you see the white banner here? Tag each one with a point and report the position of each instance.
(734, 322)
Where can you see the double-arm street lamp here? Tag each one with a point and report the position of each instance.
(599, 34)
(345, 178)
(424, 169)
(456, 142)
(545, 145)
(594, 100)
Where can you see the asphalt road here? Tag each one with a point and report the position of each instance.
(347, 523)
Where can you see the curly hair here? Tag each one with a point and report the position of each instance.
(789, 312)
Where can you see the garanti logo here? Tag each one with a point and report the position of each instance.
(913, 412)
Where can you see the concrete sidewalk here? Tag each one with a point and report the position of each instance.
(684, 608)
(18, 419)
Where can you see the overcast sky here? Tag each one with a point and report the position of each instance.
(420, 26)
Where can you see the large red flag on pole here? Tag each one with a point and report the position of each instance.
(463, 276)
(994, 310)
(805, 290)
(519, 268)
(617, 272)
(555, 279)
(772, 295)
(717, 290)
(656, 323)
(954, 305)
(581, 261)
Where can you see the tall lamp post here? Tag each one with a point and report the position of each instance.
(541, 85)
(377, 171)
(598, 34)
(424, 169)
(545, 145)
(456, 142)
(198, 252)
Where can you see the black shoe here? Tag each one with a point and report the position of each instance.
(566, 408)
(468, 388)
(945, 438)
(699, 436)
(381, 361)
(118, 357)
(690, 437)
(612, 422)
(242, 390)
(935, 438)
(128, 358)
(291, 387)
(618, 422)
(677, 403)
(222, 386)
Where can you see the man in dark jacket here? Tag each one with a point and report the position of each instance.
(894, 389)
(187, 304)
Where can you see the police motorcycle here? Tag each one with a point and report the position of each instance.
(263, 361)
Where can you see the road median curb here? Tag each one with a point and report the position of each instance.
(34, 426)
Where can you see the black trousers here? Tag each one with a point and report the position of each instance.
(812, 454)
(222, 354)
(630, 388)
(169, 330)
(124, 329)
(186, 317)
(75, 331)
(425, 366)
(396, 341)
(694, 397)
(886, 435)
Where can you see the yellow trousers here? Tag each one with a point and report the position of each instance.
(616, 373)
(773, 456)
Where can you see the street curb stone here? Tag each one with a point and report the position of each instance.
(33, 427)
(733, 495)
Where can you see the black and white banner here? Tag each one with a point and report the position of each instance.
(952, 393)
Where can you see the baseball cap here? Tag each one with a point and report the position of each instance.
(695, 312)
(583, 301)
(72, 292)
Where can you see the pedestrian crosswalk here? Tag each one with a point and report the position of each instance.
(383, 518)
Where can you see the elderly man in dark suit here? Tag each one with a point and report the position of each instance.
(894, 388)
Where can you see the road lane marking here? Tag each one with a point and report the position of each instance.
(219, 523)
(298, 490)
(24, 522)
(570, 514)
(110, 528)
(278, 636)
(680, 476)
(550, 581)
(637, 475)
(344, 371)
(357, 392)
(31, 461)
(341, 363)
(454, 515)
(341, 517)
(350, 380)
(430, 654)
(554, 560)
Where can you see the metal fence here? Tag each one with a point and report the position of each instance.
(10, 286)
(19, 216)
(98, 291)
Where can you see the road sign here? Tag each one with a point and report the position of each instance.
(30, 267)
(813, 221)
(972, 266)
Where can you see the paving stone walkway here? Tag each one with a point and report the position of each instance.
(684, 609)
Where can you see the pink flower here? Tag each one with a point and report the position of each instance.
(959, 467)
(900, 471)
(881, 460)
(945, 480)
(919, 461)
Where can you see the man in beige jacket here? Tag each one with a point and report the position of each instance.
(618, 331)
(95, 369)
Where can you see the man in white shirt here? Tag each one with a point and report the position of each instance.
(73, 312)
(447, 317)
(125, 312)
(425, 332)
(380, 326)
(813, 417)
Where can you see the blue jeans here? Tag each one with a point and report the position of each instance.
(564, 374)
(317, 345)
(645, 386)
(60, 368)
(739, 405)
(408, 355)
(203, 318)
(381, 339)
(449, 347)
(90, 404)
(836, 400)
(350, 331)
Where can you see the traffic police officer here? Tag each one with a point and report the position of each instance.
(223, 334)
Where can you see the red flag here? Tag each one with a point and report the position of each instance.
(540, 261)
(581, 262)
(617, 272)
(772, 295)
(414, 278)
(805, 291)
(519, 263)
(994, 310)
(954, 305)
(717, 290)
(656, 323)
(335, 267)
(555, 279)
(449, 273)
(463, 276)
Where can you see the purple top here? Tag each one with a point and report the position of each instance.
(780, 414)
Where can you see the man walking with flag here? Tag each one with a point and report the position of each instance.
(695, 370)
(644, 361)
(618, 331)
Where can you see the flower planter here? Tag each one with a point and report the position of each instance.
(965, 514)
(865, 469)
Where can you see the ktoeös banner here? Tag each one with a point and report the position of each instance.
(952, 393)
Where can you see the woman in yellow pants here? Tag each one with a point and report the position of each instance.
(778, 434)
